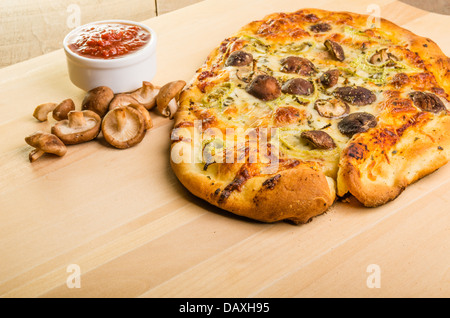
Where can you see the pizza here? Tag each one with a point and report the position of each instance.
(299, 110)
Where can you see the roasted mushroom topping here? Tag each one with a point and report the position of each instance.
(356, 123)
(167, 98)
(427, 102)
(331, 108)
(45, 143)
(297, 86)
(320, 27)
(355, 95)
(329, 78)
(239, 58)
(123, 127)
(41, 111)
(80, 126)
(382, 57)
(297, 65)
(318, 139)
(97, 100)
(146, 95)
(335, 49)
(264, 87)
(62, 110)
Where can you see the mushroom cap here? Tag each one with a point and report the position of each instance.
(62, 110)
(318, 139)
(335, 49)
(330, 78)
(146, 95)
(97, 100)
(121, 100)
(81, 126)
(123, 127)
(357, 123)
(427, 101)
(145, 113)
(239, 58)
(167, 93)
(125, 99)
(297, 65)
(297, 86)
(264, 87)
(46, 142)
(355, 95)
(41, 111)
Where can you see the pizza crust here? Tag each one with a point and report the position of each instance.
(295, 195)
(377, 173)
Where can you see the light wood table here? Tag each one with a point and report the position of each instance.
(122, 220)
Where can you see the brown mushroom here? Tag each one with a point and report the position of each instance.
(335, 49)
(97, 100)
(80, 126)
(62, 110)
(167, 98)
(427, 102)
(356, 123)
(146, 95)
(331, 108)
(355, 95)
(123, 127)
(122, 99)
(297, 65)
(329, 78)
(264, 87)
(45, 143)
(239, 58)
(298, 86)
(126, 99)
(41, 111)
(318, 139)
(147, 118)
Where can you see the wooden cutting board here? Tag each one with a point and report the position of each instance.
(121, 219)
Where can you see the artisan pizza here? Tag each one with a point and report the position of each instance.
(298, 110)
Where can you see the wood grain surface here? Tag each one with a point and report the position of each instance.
(124, 221)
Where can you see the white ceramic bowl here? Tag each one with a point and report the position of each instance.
(121, 74)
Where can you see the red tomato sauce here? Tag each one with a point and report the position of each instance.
(108, 41)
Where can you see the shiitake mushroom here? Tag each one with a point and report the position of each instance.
(264, 87)
(357, 123)
(427, 102)
(355, 95)
(297, 86)
(318, 139)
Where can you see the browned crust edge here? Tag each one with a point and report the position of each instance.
(294, 195)
(416, 158)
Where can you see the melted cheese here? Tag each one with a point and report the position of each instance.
(237, 108)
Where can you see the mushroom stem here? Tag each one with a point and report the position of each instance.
(35, 154)
(121, 118)
(76, 119)
(171, 108)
